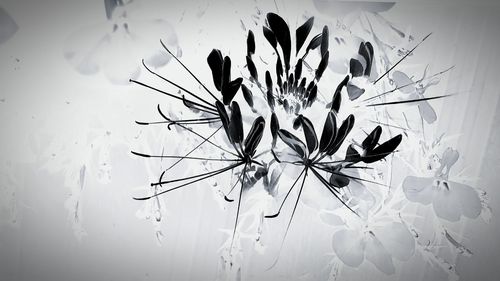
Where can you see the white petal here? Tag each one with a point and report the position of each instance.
(397, 240)
(349, 246)
(418, 189)
(378, 255)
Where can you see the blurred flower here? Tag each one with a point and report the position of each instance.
(7, 26)
(117, 46)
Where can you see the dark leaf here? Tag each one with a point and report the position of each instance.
(254, 136)
(302, 32)
(236, 124)
(329, 132)
(247, 94)
(293, 142)
(282, 33)
(252, 69)
(298, 70)
(355, 68)
(223, 117)
(215, 62)
(383, 150)
(226, 71)
(372, 139)
(339, 180)
(268, 33)
(310, 134)
(366, 51)
(322, 66)
(275, 126)
(324, 41)
(342, 133)
(337, 97)
(230, 90)
(354, 91)
(352, 154)
(250, 43)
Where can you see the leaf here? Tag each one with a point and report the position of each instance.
(275, 126)
(339, 180)
(310, 134)
(247, 94)
(215, 62)
(293, 142)
(342, 133)
(252, 69)
(298, 70)
(254, 136)
(337, 98)
(223, 117)
(302, 32)
(250, 43)
(322, 66)
(236, 124)
(282, 33)
(354, 91)
(324, 41)
(372, 139)
(226, 71)
(383, 150)
(230, 90)
(366, 51)
(329, 132)
(268, 33)
(355, 68)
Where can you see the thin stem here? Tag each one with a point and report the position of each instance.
(238, 209)
(189, 71)
(191, 182)
(404, 57)
(409, 101)
(286, 196)
(176, 85)
(182, 157)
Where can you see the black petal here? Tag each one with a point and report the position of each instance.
(230, 90)
(275, 126)
(252, 69)
(223, 117)
(324, 41)
(268, 33)
(282, 33)
(226, 71)
(254, 136)
(247, 94)
(329, 132)
(342, 133)
(302, 32)
(314, 43)
(366, 51)
(372, 139)
(337, 98)
(250, 43)
(293, 142)
(236, 124)
(322, 66)
(355, 68)
(339, 180)
(383, 150)
(298, 70)
(310, 134)
(215, 62)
